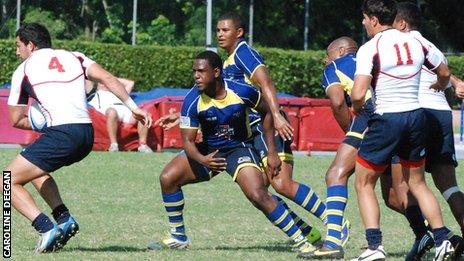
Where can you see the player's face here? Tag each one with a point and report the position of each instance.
(23, 51)
(368, 24)
(227, 34)
(203, 74)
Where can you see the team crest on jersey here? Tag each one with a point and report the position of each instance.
(225, 131)
(243, 159)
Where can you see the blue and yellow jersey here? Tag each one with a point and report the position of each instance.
(242, 63)
(240, 66)
(341, 71)
(224, 123)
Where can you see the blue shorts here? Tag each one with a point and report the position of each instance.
(358, 126)
(259, 143)
(236, 159)
(394, 133)
(60, 146)
(439, 146)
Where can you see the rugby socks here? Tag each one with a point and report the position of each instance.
(303, 226)
(61, 214)
(416, 221)
(174, 205)
(337, 196)
(439, 235)
(374, 238)
(282, 219)
(42, 223)
(309, 200)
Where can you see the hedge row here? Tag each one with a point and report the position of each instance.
(295, 72)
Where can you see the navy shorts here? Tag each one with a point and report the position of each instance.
(60, 146)
(259, 143)
(439, 146)
(399, 133)
(236, 159)
(358, 126)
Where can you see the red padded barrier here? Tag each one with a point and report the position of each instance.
(9, 134)
(167, 105)
(319, 129)
(127, 133)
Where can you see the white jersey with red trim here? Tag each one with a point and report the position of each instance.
(429, 98)
(55, 79)
(394, 60)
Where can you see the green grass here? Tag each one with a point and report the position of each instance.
(116, 199)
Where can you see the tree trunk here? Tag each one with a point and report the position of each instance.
(107, 12)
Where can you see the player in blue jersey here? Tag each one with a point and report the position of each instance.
(219, 108)
(246, 65)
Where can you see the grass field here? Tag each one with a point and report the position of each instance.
(116, 199)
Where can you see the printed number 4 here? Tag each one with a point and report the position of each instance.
(398, 54)
(55, 64)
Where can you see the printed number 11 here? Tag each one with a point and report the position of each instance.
(398, 54)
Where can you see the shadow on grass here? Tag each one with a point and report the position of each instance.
(272, 247)
(105, 249)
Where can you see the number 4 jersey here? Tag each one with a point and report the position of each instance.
(394, 61)
(55, 79)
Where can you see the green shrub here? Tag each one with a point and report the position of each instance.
(294, 72)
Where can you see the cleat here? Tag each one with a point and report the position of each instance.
(304, 248)
(114, 147)
(372, 255)
(144, 149)
(345, 236)
(420, 247)
(49, 241)
(169, 243)
(70, 228)
(458, 244)
(314, 237)
(444, 251)
(325, 253)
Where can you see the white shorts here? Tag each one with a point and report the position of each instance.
(103, 100)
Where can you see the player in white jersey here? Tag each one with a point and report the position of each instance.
(55, 80)
(390, 63)
(440, 152)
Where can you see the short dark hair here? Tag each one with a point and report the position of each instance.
(384, 10)
(214, 60)
(236, 19)
(35, 33)
(410, 13)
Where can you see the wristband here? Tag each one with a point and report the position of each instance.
(131, 104)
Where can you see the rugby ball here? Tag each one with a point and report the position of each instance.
(37, 117)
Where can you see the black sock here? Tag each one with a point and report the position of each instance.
(374, 238)
(42, 223)
(61, 214)
(439, 235)
(416, 221)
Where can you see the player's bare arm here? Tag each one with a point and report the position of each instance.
(358, 94)
(188, 138)
(458, 85)
(18, 117)
(97, 73)
(273, 160)
(443, 77)
(261, 78)
(340, 110)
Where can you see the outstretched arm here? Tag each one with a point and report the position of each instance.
(261, 78)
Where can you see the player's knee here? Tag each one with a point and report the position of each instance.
(167, 177)
(111, 113)
(337, 174)
(282, 186)
(259, 197)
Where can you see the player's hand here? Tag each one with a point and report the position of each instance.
(168, 121)
(273, 165)
(214, 164)
(436, 87)
(283, 128)
(459, 89)
(142, 116)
